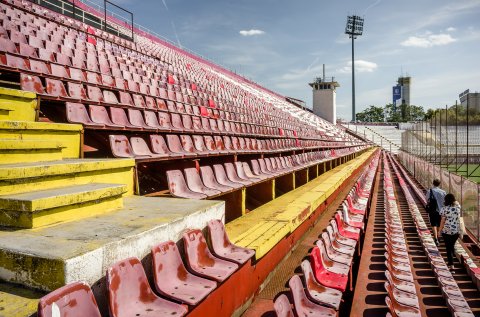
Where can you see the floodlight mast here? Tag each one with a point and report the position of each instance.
(354, 28)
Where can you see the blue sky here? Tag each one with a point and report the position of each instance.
(282, 44)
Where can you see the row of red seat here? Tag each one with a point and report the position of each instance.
(207, 182)
(451, 292)
(180, 284)
(182, 69)
(402, 298)
(327, 273)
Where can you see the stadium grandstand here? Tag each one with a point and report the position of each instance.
(140, 179)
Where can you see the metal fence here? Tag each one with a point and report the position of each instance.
(447, 147)
(465, 190)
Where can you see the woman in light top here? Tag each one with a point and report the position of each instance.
(450, 226)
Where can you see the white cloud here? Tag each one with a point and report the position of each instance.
(251, 32)
(451, 29)
(428, 40)
(361, 66)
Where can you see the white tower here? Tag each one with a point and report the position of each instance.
(324, 97)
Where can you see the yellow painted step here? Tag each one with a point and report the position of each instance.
(45, 207)
(23, 177)
(68, 135)
(17, 301)
(17, 105)
(22, 151)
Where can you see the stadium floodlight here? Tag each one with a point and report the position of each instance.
(354, 29)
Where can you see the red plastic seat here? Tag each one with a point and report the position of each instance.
(119, 117)
(233, 176)
(303, 305)
(188, 145)
(55, 88)
(17, 62)
(210, 181)
(325, 271)
(129, 293)
(160, 147)
(77, 113)
(178, 187)
(222, 178)
(140, 148)
(172, 278)
(72, 300)
(345, 230)
(201, 261)
(334, 254)
(31, 83)
(120, 146)
(318, 293)
(223, 248)
(200, 146)
(337, 245)
(175, 145)
(282, 307)
(195, 183)
(99, 115)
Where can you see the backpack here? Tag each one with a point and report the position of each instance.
(431, 204)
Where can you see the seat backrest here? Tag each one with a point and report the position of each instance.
(199, 143)
(187, 143)
(55, 88)
(31, 83)
(282, 307)
(209, 143)
(136, 118)
(218, 236)
(120, 146)
(139, 146)
(119, 117)
(167, 264)
(176, 183)
(174, 143)
(72, 300)
(99, 114)
(158, 144)
(316, 261)
(77, 113)
(196, 248)
(151, 119)
(164, 120)
(126, 98)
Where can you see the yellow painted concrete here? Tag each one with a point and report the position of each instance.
(17, 105)
(61, 214)
(280, 217)
(16, 301)
(67, 135)
(18, 178)
(22, 151)
(31, 210)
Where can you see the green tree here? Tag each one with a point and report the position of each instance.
(371, 114)
(404, 113)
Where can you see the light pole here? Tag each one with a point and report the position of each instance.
(354, 28)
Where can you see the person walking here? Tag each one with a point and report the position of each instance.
(450, 226)
(435, 199)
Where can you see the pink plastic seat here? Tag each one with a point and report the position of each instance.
(188, 145)
(243, 171)
(136, 119)
(333, 254)
(304, 306)
(17, 62)
(195, 183)
(172, 278)
(160, 147)
(164, 121)
(282, 307)
(318, 293)
(200, 146)
(99, 115)
(222, 177)
(223, 248)
(95, 94)
(233, 176)
(31, 83)
(120, 146)
(140, 148)
(175, 145)
(129, 293)
(178, 187)
(118, 117)
(201, 261)
(327, 272)
(55, 88)
(208, 178)
(72, 300)
(339, 238)
(77, 113)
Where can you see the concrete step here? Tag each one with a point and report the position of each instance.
(27, 177)
(67, 135)
(17, 105)
(22, 151)
(52, 256)
(45, 207)
(18, 301)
